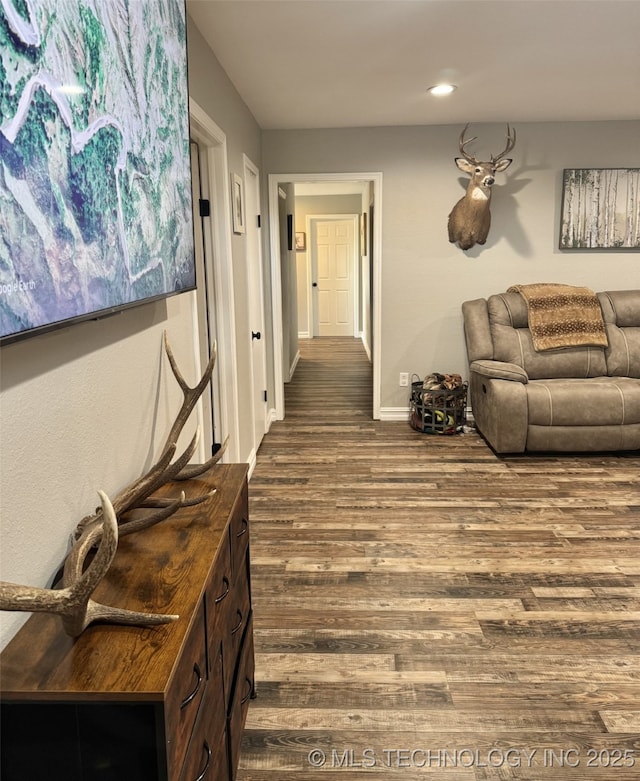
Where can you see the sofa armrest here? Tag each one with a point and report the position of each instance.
(499, 370)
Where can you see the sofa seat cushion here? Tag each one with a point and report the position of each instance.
(598, 401)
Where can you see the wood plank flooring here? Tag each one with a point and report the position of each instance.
(427, 610)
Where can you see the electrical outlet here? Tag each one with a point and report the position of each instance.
(404, 379)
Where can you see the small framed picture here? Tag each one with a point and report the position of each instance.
(301, 241)
(237, 203)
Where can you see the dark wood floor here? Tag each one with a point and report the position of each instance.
(425, 609)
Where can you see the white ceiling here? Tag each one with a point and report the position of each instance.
(356, 63)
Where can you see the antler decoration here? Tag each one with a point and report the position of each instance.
(73, 601)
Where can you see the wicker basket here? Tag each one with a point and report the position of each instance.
(436, 411)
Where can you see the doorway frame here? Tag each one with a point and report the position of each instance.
(275, 182)
(252, 223)
(217, 239)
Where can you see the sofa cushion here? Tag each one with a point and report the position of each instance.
(512, 343)
(602, 401)
(621, 313)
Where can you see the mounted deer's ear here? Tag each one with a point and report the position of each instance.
(465, 165)
(503, 164)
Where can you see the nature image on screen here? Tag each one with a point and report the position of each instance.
(95, 189)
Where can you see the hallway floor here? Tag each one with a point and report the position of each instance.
(426, 610)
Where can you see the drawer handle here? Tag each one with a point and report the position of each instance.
(225, 580)
(239, 624)
(245, 528)
(190, 697)
(206, 767)
(247, 697)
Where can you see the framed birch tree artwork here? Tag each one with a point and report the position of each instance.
(600, 209)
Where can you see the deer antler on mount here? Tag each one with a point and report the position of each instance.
(73, 601)
(470, 218)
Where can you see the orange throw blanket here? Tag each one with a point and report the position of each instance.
(562, 316)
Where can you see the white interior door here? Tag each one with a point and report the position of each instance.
(256, 301)
(333, 264)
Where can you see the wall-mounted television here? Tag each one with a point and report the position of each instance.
(95, 180)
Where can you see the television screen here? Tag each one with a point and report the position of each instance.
(95, 181)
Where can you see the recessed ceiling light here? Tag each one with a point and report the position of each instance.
(442, 89)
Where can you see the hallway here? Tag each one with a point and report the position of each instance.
(426, 610)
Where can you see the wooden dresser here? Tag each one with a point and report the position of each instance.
(124, 703)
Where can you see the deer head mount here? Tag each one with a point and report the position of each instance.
(470, 218)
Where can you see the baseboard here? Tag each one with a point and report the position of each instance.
(367, 349)
(394, 413)
(292, 368)
(252, 462)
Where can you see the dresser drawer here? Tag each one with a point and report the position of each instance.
(207, 758)
(239, 531)
(185, 694)
(243, 691)
(236, 624)
(241, 604)
(218, 598)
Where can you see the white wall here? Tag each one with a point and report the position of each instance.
(424, 278)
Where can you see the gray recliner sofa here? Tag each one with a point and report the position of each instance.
(570, 399)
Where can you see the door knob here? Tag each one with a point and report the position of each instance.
(256, 335)
(314, 284)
